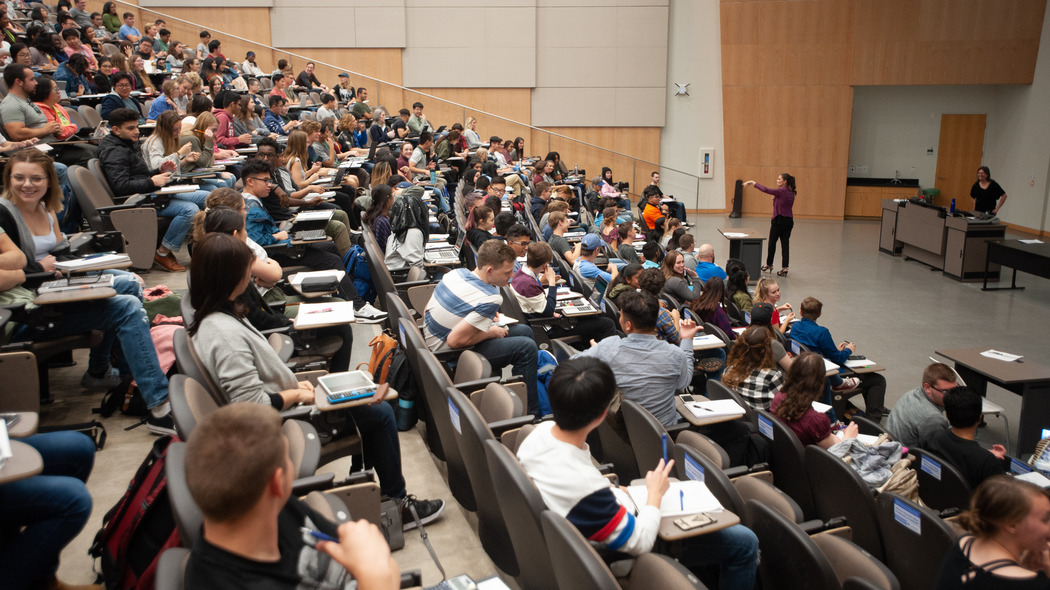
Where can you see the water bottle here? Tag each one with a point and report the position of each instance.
(951, 208)
(433, 176)
(575, 169)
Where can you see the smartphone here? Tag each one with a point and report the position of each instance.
(693, 521)
(857, 357)
(687, 398)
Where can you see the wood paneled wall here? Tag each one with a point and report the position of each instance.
(249, 23)
(788, 71)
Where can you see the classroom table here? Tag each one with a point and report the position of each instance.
(1025, 378)
(26, 425)
(1030, 258)
(691, 418)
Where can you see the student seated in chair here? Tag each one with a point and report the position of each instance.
(919, 414)
(589, 246)
(252, 535)
(958, 445)
(557, 458)
(463, 310)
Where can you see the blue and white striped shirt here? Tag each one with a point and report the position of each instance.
(460, 295)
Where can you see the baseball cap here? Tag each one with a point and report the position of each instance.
(762, 314)
(344, 75)
(404, 185)
(591, 242)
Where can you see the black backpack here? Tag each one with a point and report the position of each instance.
(403, 381)
(139, 527)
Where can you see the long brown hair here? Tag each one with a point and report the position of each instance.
(297, 148)
(220, 197)
(668, 264)
(53, 199)
(220, 262)
(751, 351)
(710, 298)
(803, 384)
(165, 123)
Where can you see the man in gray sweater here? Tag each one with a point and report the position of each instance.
(920, 413)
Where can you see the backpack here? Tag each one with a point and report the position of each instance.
(139, 527)
(545, 370)
(356, 264)
(383, 349)
(125, 397)
(403, 381)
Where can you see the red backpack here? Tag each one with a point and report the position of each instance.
(139, 527)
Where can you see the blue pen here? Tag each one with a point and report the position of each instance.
(318, 535)
(681, 499)
(663, 439)
(98, 255)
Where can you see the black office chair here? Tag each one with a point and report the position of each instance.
(787, 465)
(941, 485)
(838, 490)
(916, 540)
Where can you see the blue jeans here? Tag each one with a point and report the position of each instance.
(124, 316)
(52, 508)
(124, 283)
(518, 348)
(382, 449)
(733, 549)
(181, 209)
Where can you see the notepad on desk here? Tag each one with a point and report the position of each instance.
(94, 262)
(830, 366)
(681, 498)
(706, 341)
(101, 281)
(717, 408)
(324, 314)
(864, 438)
(178, 188)
(859, 363)
(322, 215)
(503, 321)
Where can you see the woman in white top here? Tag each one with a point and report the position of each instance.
(409, 232)
(470, 132)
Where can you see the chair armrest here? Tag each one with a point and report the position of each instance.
(734, 472)
(107, 208)
(811, 526)
(310, 376)
(411, 579)
(281, 330)
(305, 485)
(500, 426)
(79, 240)
(404, 286)
(476, 384)
(949, 512)
(298, 413)
(672, 430)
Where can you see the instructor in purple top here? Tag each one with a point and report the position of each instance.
(780, 227)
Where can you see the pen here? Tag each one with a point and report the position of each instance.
(663, 439)
(681, 499)
(318, 535)
(98, 255)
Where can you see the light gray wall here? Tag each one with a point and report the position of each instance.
(600, 63)
(195, 3)
(695, 121)
(338, 23)
(1017, 145)
(893, 126)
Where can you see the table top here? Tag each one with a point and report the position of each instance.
(75, 296)
(669, 531)
(321, 400)
(26, 425)
(684, 412)
(1039, 249)
(1021, 371)
(25, 462)
(751, 233)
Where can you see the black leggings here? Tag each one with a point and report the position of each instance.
(779, 228)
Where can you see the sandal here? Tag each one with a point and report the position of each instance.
(783, 272)
(767, 268)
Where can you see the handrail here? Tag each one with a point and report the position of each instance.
(429, 96)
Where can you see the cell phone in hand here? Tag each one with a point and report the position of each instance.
(693, 521)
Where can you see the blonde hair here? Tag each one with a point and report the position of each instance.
(763, 287)
(297, 147)
(347, 122)
(52, 201)
(220, 197)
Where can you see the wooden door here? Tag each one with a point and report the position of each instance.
(959, 153)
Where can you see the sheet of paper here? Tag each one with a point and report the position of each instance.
(322, 314)
(859, 363)
(820, 407)
(1035, 477)
(297, 278)
(178, 188)
(104, 261)
(694, 498)
(5, 444)
(864, 438)
(706, 341)
(43, 147)
(830, 366)
(1000, 355)
(322, 215)
(502, 320)
(1030, 241)
(733, 234)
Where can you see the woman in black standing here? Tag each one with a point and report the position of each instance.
(987, 195)
(783, 221)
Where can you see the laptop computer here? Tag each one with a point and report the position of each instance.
(348, 386)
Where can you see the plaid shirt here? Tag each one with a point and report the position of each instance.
(760, 386)
(665, 328)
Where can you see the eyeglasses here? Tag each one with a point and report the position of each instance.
(29, 179)
(124, 85)
(263, 179)
(523, 243)
(938, 390)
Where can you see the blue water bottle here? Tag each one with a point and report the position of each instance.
(951, 209)
(433, 177)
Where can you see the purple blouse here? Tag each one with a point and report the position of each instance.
(783, 199)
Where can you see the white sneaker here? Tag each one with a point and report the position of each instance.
(367, 314)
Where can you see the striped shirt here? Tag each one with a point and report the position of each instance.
(573, 487)
(461, 295)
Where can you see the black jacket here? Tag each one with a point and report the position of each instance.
(124, 167)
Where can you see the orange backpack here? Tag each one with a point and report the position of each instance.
(383, 348)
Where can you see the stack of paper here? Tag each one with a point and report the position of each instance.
(1000, 355)
(322, 215)
(178, 188)
(716, 408)
(681, 498)
(323, 314)
(707, 341)
(857, 364)
(93, 263)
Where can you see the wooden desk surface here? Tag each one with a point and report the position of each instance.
(996, 370)
(321, 399)
(25, 462)
(26, 425)
(669, 531)
(75, 296)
